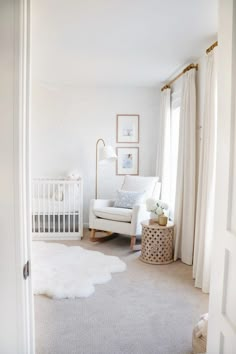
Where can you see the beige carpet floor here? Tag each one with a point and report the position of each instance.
(148, 309)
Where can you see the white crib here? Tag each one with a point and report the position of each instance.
(57, 209)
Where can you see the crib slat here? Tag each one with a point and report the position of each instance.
(38, 208)
(49, 211)
(64, 219)
(53, 201)
(74, 207)
(33, 207)
(79, 207)
(44, 195)
(69, 192)
(58, 210)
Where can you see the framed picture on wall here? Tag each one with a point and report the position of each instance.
(127, 128)
(127, 161)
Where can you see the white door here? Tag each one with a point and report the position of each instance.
(16, 307)
(222, 311)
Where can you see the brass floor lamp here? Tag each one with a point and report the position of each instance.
(104, 155)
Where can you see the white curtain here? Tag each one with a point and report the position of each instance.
(186, 174)
(206, 181)
(163, 129)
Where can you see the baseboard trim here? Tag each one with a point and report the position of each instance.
(58, 238)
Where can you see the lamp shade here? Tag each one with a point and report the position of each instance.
(107, 153)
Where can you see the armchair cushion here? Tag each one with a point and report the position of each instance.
(127, 199)
(116, 214)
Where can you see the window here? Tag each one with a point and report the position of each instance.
(174, 148)
(171, 147)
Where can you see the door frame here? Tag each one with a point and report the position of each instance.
(221, 327)
(25, 305)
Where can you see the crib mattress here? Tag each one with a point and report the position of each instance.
(51, 206)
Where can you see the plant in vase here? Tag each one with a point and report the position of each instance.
(156, 207)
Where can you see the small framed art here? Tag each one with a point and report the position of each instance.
(127, 161)
(127, 128)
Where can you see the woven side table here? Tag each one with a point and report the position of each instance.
(157, 242)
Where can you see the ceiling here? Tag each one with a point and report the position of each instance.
(118, 42)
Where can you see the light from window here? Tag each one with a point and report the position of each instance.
(171, 159)
(174, 148)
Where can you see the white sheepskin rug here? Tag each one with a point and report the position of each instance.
(62, 272)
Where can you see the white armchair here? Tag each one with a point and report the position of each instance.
(105, 217)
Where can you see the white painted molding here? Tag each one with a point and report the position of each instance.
(25, 318)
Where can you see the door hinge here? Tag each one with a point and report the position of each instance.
(26, 270)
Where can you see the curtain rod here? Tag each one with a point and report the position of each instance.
(212, 47)
(189, 67)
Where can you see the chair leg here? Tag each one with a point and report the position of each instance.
(132, 242)
(92, 235)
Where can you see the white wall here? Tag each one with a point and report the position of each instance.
(67, 121)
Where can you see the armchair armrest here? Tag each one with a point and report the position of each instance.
(98, 203)
(140, 213)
